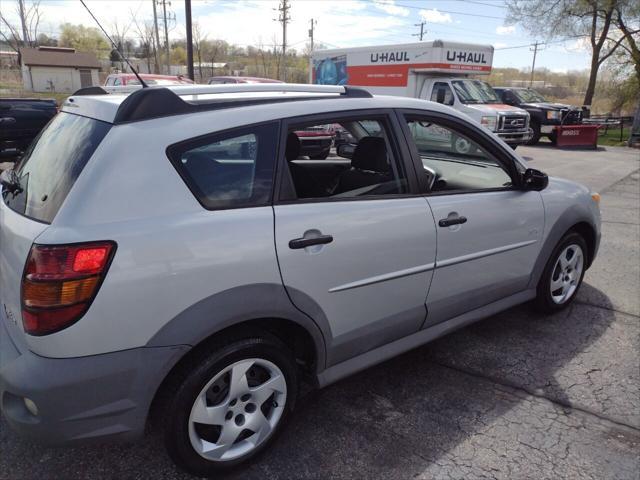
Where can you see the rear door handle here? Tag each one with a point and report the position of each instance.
(303, 242)
(447, 222)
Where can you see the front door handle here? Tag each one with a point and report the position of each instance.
(447, 222)
(303, 242)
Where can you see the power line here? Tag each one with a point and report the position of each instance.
(478, 3)
(528, 45)
(445, 11)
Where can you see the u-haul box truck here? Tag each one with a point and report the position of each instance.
(438, 71)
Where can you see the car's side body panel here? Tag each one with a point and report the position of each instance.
(164, 266)
(566, 205)
(490, 256)
(371, 281)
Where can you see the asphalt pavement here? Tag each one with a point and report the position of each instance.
(516, 396)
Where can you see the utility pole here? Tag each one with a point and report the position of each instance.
(187, 14)
(533, 67)
(313, 23)
(166, 35)
(155, 28)
(284, 18)
(23, 20)
(422, 32)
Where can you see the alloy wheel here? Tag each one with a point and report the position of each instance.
(237, 410)
(566, 274)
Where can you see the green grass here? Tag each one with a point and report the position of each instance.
(13, 90)
(612, 137)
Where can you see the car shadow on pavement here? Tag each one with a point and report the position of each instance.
(432, 408)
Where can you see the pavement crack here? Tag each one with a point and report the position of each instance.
(620, 223)
(565, 405)
(581, 302)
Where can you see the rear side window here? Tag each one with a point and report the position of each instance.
(52, 164)
(229, 170)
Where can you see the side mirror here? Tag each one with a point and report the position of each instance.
(533, 179)
(346, 150)
(440, 95)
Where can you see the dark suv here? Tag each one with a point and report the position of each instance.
(545, 116)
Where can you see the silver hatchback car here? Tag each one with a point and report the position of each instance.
(170, 254)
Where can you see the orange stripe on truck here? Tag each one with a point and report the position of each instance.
(396, 75)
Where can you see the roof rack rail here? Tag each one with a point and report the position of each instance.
(153, 102)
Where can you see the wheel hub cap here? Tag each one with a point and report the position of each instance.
(237, 410)
(566, 274)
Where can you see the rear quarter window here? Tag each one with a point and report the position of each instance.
(231, 169)
(52, 164)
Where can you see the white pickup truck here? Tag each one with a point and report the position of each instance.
(438, 71)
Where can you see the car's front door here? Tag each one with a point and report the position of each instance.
(357, 251)
(488, 230)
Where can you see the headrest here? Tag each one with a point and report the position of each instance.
(292, 151)
(371, 154)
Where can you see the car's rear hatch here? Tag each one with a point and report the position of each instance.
(44, 177)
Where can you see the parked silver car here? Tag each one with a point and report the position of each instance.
(169, 252)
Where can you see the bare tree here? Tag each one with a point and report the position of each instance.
(198, 39)
(30, 16)
(583, 19)
(118, 32)
(146, 35)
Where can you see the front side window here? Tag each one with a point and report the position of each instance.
(230, 169)
(529, 96)
(475, 91)
(442, 93)
(453, 161)
(341, 158)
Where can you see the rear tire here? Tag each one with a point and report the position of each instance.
(562, 275)
(229, 404)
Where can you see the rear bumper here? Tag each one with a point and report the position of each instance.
(81, 399)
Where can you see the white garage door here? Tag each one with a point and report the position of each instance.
(52, 80)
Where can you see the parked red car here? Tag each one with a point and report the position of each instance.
(230, 79)
(124, 79)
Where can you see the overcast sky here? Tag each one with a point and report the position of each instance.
(341, 23)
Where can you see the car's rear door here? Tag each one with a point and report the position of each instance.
(489, 230)
(358, 262)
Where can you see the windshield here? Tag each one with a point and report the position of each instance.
(51, 165)
(529, 96)
(475, 91)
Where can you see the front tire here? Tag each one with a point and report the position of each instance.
(563, 274)
(535, 127)
(230, 404)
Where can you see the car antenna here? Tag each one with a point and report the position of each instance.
(135, 72)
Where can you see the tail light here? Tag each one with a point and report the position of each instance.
(60, 282)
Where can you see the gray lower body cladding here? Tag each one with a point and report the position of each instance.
(84, 398)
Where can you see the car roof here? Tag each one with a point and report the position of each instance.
(289, 99)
